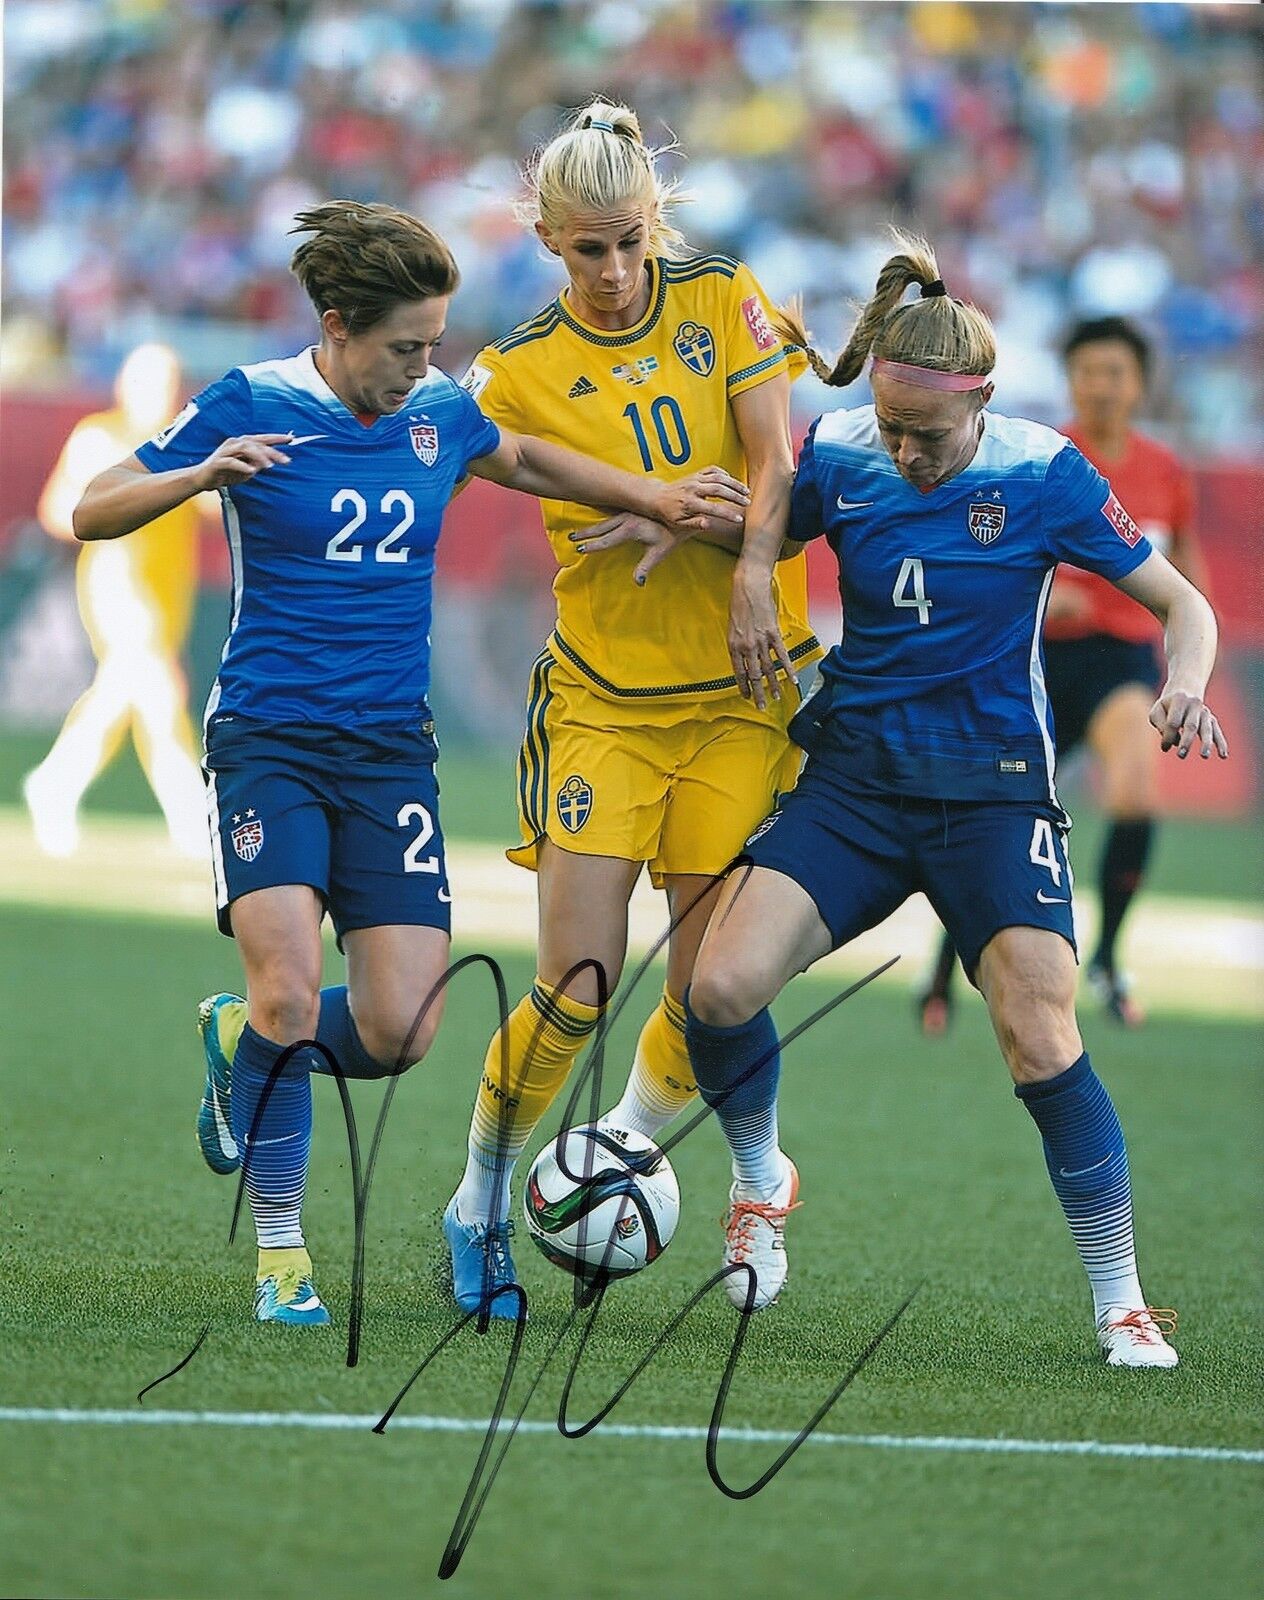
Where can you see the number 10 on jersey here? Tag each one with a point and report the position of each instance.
(669, 424)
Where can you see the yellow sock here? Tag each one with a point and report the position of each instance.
(661, 1083)
(547, 1030)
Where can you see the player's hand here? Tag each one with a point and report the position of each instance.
(628, 528)
(691, 501)
(238, 460)
(1183, 721)
(756, 647)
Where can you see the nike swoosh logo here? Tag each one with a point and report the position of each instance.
(1084, 1170)
(309, 1304)
(222, 1129)
(852, 505)
(445, 897)
(1050, 899)
(307, 438)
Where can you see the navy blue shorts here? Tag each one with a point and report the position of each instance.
(1081, 673)
(356, 817)
(984, 865)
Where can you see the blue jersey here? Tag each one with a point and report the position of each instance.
(333, 553)
(937, 687)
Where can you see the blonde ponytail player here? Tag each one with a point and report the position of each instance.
(640, 748)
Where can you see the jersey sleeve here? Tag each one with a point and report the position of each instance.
(491, 388)
(1083, 521)
(482, 436)
(754, 350)
(222, 410)
(807, 519)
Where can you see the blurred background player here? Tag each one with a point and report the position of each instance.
(1101, 666)
(640, 748)
(136, 602)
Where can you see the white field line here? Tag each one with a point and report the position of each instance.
(1198, 956)
(342, 1422)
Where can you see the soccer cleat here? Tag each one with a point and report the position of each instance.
(481, 1263)
(1113, 990)
(284, 1292)
(755, 1235)
(221, 1018)
(1135, 1338)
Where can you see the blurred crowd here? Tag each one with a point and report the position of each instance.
(1066, 160)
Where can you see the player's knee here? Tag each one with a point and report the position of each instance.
(399, 1038)
(724, 995)
(285, 1007)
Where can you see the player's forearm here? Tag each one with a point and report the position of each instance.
(552, 473)
(118, 500)
(1189, 641)
(768, 515)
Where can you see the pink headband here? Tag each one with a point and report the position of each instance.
(927, 377)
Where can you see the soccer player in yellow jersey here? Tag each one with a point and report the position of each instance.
(136, 602)
(640, 748)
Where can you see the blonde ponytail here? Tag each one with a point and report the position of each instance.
(600, 162)
(935, 331)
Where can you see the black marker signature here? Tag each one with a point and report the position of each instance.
(589, 1294)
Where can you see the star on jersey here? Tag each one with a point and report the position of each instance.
(986, 519)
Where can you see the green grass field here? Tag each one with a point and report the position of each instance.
(918, 1167)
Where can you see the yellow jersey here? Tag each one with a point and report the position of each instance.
(652, 398)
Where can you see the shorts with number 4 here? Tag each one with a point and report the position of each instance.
(983, 865)
(675, 782)
(355, 818)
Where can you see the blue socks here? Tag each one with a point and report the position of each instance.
(744, 1100)
(336, 1030)
(1088, 1164)
(275, 1158)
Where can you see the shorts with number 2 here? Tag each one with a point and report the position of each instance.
(357, 821)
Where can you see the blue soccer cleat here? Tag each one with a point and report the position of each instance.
(221, 1018)
(481, 1263)
(284, 1292)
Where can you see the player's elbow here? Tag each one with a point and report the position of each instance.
(83, 521)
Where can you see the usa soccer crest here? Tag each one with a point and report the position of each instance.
(425, 441)
(695, 347)
(574, 803)
(986, 518)
(248, 839)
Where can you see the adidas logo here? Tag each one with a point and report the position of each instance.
(581, 386)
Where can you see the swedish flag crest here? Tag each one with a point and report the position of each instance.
(574, 803)
(695, 346)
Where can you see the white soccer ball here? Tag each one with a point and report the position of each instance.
(601, 1201)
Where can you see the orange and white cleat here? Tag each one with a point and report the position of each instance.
(1135, 1338)
(755, 1236)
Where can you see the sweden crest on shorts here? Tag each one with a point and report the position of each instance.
(986, 517)
(574, 803)
(695, 347)
(247, 837)
(425, 441)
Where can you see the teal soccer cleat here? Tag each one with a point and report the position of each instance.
(214, 1123)
(481, 1263)
(284, 1292)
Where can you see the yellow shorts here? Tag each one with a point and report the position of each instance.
(681, 784)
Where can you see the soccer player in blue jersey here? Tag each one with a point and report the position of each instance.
(931, 760)
(334, 468)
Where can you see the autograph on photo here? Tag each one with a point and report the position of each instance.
(589, 1295)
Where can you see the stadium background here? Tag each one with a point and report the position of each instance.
(1066, 160)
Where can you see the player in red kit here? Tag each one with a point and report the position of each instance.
(1101, 667)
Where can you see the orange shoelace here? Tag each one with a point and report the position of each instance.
(740, 1226)
(1148, 1321)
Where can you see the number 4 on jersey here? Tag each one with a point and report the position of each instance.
(912, 577)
